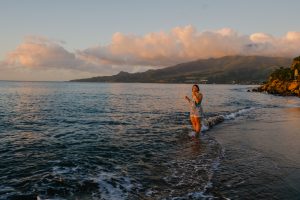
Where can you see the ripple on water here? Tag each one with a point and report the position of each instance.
(109, 141)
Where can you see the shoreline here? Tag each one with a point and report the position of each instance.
(129, 82)
(261, 157)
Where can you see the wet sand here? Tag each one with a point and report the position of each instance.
(261, 156)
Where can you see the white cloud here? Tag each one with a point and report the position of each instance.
(184, 44)
(153, 50)
(261, 38)
(40, 52)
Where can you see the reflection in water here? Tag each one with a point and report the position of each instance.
(196, 146)
(130, 141)
(23, 114)
(294, 111)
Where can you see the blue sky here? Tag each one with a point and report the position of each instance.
(83, 25)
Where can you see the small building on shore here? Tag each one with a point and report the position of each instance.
(203, 81)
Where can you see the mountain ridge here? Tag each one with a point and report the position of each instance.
(227, 69)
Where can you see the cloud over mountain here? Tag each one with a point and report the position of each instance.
(183, 44)
(131, 52)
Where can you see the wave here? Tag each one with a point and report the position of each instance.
(102, 185)
(217, 119)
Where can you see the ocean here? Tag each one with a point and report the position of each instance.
(63, 140)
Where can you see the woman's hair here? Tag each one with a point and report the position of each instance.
(196, 87)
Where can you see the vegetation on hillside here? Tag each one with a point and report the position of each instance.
(282, 74)
(284, 81)
(297, 59)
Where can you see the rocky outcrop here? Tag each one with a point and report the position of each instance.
(283, 81)
(283, 88)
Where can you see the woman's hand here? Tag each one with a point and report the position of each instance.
(187, 98)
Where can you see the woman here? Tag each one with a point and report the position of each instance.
(196, 109)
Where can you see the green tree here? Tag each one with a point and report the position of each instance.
(297, 59)
(282, 74)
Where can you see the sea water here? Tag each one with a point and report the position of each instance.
(62, 140)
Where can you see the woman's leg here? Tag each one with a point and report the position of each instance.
(197, 124)
(193, 123)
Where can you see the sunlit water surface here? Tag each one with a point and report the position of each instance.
(131, 141)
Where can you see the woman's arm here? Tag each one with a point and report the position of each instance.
(188, 99)
(197, 97)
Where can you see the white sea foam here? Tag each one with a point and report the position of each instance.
(199, 195)
(237, 113)
(111, 186)
(214, 120)
(204, 127)
(111, 190)
(192, 134)
(56, 170)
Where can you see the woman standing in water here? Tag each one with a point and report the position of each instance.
(196, 109)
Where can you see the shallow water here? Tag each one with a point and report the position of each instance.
(131, 141)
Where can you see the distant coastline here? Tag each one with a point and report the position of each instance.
(246, 70)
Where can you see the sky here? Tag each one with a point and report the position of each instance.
(59, 40)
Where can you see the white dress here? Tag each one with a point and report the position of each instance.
(196, 109)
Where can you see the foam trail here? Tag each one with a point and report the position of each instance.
(214, 120)
(238, 113)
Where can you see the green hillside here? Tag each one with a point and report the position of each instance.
(229, 69)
